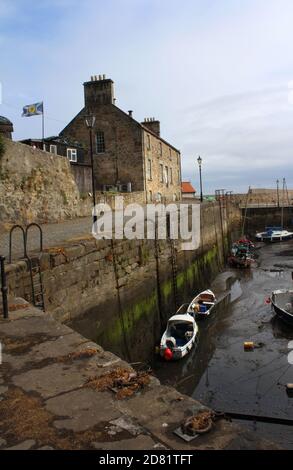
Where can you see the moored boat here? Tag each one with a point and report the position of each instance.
(179, 337)
(202, 305)
(274, 234)
(241, 255)
(282, 303)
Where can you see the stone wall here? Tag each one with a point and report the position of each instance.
(83, 177)
(266, 196)
(163, 169)
(37, 186)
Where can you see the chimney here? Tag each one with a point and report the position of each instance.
(99, 90)
(130, 113)
(153, 125)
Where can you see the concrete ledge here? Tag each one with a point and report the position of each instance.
(45, 402)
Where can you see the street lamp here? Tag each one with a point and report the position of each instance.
(199, 161)
(90, 122)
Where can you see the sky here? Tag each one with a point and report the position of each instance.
(218, 74)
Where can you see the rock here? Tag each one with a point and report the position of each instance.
(127, 424)
(25, 445)
(2, 442)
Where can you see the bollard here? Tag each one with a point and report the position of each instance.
(4, 288)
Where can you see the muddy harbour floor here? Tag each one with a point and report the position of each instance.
(219, 372)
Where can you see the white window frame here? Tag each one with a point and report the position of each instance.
(53, 149)
(149, 169)
(161, 173)
(166, 175)
(70, 152)
(148, 142)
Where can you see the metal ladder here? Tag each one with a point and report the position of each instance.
(174, 271)
(36, 283)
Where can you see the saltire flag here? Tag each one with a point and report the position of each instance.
(33, 109)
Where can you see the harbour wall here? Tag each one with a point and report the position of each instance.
(120, 293)
(258, 218)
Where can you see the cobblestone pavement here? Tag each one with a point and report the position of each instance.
(53, 234)
(56, 393)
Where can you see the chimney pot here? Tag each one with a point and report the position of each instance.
(130, 112)
(104, 77)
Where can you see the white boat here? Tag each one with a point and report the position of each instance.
(274, 234)
(202, 305)
(179, 338)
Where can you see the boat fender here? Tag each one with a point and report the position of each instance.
(248, 346)
(168, 355)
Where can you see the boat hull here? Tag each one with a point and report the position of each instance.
(280, 311)
(201, 315)
(179, 353)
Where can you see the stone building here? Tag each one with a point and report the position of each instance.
(128, 155)
(6, 127)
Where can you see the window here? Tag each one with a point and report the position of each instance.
(178, 176)
(159, 197)
(148, 142)
(166, 175)
(149, 170)
(100, 142)
(161, 149)
(72, 155)
(53, 149)
(170, 154)
(161, 173)
(171, 176)
(150, 196)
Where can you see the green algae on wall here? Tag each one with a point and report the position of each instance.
(194, 275)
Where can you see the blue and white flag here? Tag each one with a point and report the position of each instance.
(33, 109)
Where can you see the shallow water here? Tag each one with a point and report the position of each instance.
(219, 372)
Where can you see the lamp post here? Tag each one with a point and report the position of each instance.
(90, 122)
(199, 161)
(278, 198)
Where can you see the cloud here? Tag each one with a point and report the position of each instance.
(214, 73)
(242, 138)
